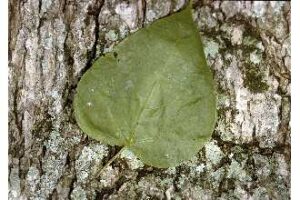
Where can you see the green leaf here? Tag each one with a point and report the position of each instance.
(154, 94)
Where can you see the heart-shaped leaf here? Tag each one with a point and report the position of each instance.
(153, 94)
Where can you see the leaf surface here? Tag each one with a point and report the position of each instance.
(153, 94)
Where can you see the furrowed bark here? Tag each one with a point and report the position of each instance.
(52, 43)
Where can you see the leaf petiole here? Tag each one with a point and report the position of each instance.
(110, 161)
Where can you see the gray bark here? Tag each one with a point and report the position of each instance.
(52, 43)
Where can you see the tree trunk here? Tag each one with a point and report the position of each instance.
(52, 43)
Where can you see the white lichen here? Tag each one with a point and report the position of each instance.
(109, 176)
(255, 57)
(230, 8)
(33, 176)
(237, 172)
(111, 35)
(132, 161)
(200, 168)
(211, 48)
(78, 193)
(213, 153)
(259, 8)
(90, 160)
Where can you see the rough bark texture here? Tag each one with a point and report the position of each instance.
(52, 43)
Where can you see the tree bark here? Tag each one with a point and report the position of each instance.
(52, 43)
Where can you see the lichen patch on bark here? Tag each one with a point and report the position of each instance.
(52, 43)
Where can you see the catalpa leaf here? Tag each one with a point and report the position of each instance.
(153, 94)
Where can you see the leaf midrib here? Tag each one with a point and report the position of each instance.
(137, 123)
